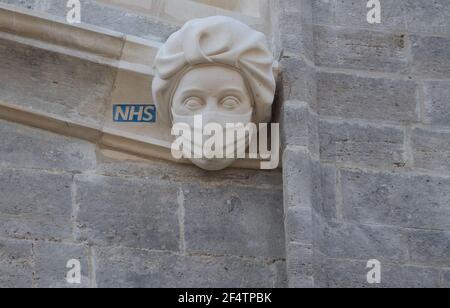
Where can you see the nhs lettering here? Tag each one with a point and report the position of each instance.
(134, 113)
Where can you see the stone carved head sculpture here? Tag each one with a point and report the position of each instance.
(219, 68)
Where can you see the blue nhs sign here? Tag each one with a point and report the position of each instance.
(134, 113)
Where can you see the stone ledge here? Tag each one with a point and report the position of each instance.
(130, 56)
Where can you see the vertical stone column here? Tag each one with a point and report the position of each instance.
(299, 135)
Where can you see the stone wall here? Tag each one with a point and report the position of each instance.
(132, 223)
(376, 168)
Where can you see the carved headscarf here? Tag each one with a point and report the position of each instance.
(216, 40)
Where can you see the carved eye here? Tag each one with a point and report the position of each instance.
(193, 103)
(230, 102)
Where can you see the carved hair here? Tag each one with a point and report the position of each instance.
(219, 41)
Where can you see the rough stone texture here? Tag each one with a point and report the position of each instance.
(128, 212)
(255, 214)
(431, 56)
(105, 16)
(15, 264)
(300, 266)
(299, 81)
(26, 147)
(362, 144)
(431, 149)
(57, 84)
(446, 279)
(360, 49)
(430, 247)
(437, 103)
(51, 264)
(350, 96)
(35, 204)
(416, 201)
(118, 267)
(333, 273)
(361, 242)
(300, 126)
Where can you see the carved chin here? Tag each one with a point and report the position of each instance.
(213, 164)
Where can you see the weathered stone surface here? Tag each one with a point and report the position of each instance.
(354, 14)
(405, 200)
(437, 103)
(427, 17)
(35, 204)
(118, 267)
(51, 260)
(299, 225)
(299, 81)
(323, 12)
(297, 34)
(26, 147)
(363, 242)
(161, 170)
(53, 83)
(430, 247)
(431, 149)
(360, 49)
(129, 212)
(105, 16)
(445, 279)
(233, 221)
(300, 266)
(297, 175)
(348, 96)
(15, 264)
(431, 56)
(325, 179)
(300, 126)
(332, 273)
(362, 144)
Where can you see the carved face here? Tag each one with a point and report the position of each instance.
(219, 95)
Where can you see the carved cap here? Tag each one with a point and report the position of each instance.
(216, 40)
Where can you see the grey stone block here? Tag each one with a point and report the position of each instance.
(15, 264)
(431, 149)
(405, 200)
(334, 273)
(35, 204)
(117, 267)
(300, 266)
(446, 278)
(323, 11)
(233, 220)
(299, 225)
(298, 181)
(26, 147)
(300, 126)
(361, 49)
(51, 260)
(299, 81)
(348, 96)
(437, 103)
(354, 14)
(431, 17)
(431, 56)
(130, 212)
(60, 85)
(296, 34)
(325, 194)
(430, 247)
(362, 144)
(162, 170)
(363, 242)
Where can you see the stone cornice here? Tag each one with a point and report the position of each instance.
(130, 56)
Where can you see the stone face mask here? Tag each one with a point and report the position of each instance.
(198, 123)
